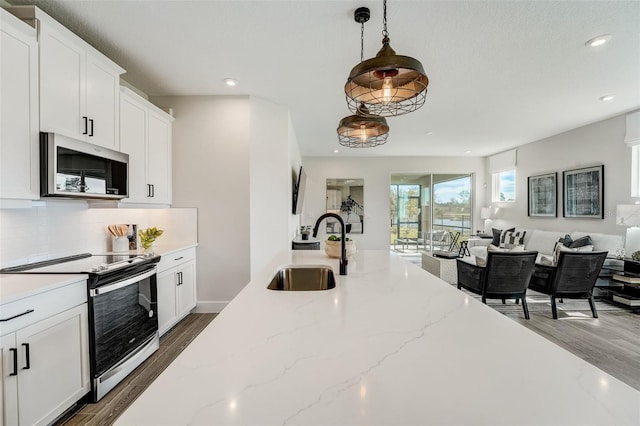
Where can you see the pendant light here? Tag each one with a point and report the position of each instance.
(389, 84)
(362, 130)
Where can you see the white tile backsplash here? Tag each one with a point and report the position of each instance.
(66, 227)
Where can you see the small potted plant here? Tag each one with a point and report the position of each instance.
(347, 206)
(333, 247)
(148, 236)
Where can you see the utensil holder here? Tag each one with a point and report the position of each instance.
(119, 244)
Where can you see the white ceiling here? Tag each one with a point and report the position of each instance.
(502, 73)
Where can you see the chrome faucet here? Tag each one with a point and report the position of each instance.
(343, 253)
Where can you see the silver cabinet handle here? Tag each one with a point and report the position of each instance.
(120, 284)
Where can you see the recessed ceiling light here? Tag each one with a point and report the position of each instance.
(598, 41)
(335, 151)
(429, 133)
(468, 151)
(607, 98)
(230, 82)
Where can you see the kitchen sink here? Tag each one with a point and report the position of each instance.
(303, 278)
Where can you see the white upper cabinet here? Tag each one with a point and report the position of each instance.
(145, 134)
(79, 86)
(19, 175)
(159, 155)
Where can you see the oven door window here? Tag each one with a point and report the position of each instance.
(122, 320)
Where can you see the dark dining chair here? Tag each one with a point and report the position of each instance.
(573, 278)
(505, 276)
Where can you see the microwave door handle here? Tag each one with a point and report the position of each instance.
(120, 284)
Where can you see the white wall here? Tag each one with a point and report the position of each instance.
(65, 227)
(211, 145)
(376, 172)
(232, 160)
(594, 144)
(270, 182)
(295, 161)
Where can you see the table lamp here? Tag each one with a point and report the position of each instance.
(629, 215)
(486, 213)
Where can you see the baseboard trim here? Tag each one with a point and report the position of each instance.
(210, 307)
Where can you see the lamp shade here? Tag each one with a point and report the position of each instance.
(388, 84)
(628, 214)
(486, 213)
(363, 130)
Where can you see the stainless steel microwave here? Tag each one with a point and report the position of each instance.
(77, 169)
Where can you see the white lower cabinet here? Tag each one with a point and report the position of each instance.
(176, 287)
(45, 362)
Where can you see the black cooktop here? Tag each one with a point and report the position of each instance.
(85, 263)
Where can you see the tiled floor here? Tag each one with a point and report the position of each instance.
(115, 402)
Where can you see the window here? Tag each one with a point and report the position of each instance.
(503, 174)
(635, 171)
(504, 186)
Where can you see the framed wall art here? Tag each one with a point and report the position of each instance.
(583, 193)
(542, 195)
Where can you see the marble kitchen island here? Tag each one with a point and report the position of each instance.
(391, 344)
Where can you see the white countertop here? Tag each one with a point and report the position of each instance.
(17, 286)
(391, 344)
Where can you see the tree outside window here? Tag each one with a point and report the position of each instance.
(504, 186)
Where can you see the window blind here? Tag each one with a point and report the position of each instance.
(632, 137)
(502, 162)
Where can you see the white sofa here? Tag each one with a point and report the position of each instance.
(544, 242)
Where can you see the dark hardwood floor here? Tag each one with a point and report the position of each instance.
(611, 343)
(115, 402)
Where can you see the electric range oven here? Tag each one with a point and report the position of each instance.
(122, 305)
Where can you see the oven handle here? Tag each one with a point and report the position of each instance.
(120, 284)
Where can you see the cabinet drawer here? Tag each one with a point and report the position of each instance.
(176, 258)
(42, 305)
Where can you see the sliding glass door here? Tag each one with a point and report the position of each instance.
(452, 205)
(430, 208)
(405, 212)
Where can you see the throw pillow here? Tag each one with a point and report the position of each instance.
(560, 248)
(510, 239)
(546, 260)
(496, 235)
(491, 247)
(581, 242)
(566, 240)
(481, 261)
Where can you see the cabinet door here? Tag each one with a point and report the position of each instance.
(9, 384)
(166, 300)
(133, 132)
(102, 99)
(186, 289)
(159, 158)
(61, 79)
(53, 365)
(19, 175)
